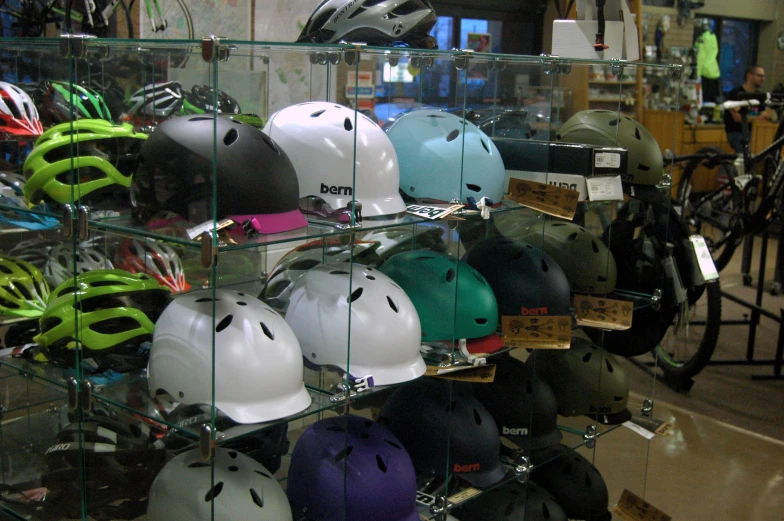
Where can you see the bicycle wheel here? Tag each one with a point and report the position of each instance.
(712, 206)
(168, 20)
(688, 344)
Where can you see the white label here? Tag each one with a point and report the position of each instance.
(605, 188)
(570, 181)
(704, 259)
(607, 160)
(432, 212)
(207, 227)
(645, 433)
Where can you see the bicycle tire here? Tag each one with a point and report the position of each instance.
(717, 218)
(126, 11)
(180, 27)
(690, 353)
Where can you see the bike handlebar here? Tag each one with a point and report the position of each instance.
(729, 105)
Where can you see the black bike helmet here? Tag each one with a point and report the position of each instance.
(526, 281)
(373, 22)
(441, 424)
(586, 379)
(201, 100)
(256, 181)
(573, 481)
(522, 404)
(512, 501)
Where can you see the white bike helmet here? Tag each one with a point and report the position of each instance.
(444, 157)
(154, 258)
(319, 139)
(385, 329)
(258, 364)
(60, 266)
(18, 115)
(235, 485)
(157, 99)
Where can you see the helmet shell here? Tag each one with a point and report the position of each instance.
(23, 289)
(587, 262)
(62, 101)
(525, 280)
(348, 468)
(429, 415)
(444, 157)
(201, 99)
(254, 178)
(513, 501)
(159, 100)
(608, 128)
(258, 364)
(64, 261)
(154, 258)
(319, 137)
(586, 379)
(233, 484)
(385, 332)
(453, 300)
(18, 115)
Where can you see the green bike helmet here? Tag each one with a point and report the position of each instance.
(586, 379)
(23, 289)
(111, 312)
(61, 101)
(453, 300)
(607, 128)
(104, 156)
(587, 262)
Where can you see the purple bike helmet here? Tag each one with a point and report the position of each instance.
(348, 468)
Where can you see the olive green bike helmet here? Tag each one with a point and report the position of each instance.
(453, 300)
(607, 128)
(587, 262)
(23, 289)
(104, 155)
(111, 312)
(586, 379)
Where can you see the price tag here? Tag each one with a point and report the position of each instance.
(607, 160)
(207, 227)
(633, 508)
(552, 200)
(704, 259)
(466, 373)
(545, 332)
(604, 188)
(464, 495)
(432, 212)
(603, 312)
(660, 427)
(642, 431)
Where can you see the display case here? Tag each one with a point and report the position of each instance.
(285, 281)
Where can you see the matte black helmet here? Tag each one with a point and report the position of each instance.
(512, 501)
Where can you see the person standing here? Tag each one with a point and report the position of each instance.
(754, 78)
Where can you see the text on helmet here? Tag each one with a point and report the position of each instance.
(470, 467)
(533, 311)
(336, 190)
(512, 431)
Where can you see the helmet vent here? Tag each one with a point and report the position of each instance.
(614, 123)
(452, 406)
(344, 453)
(260, 473)
(339, 272)
(392, 304)
(204, 299)
(545, 267)
(231, 137)
(355, 13)
(481, 321)
(5, 269)
(609, 366)
(370, 277)
(347, 124)
(50, 323)
(424, 257)
(484, 145)
(214, 492)
(450, 275)
(198, 464)
(304, 264)
(233, 468)
(390, 442)
(241, 303)
(318, 113)
(587, 357)
(473, 187)
(477, 417)
(452, 135)
(336, 428)
(380, 462)
(233, 454)
(637, 134)
(354, 295)
(256, 498)
(594, 246)
(545, 511)
(588, 480)
(572, 236)
(115, 325)
(267, 331)
(223, 324)
(601, 278)
(554, 225)
(644, 168)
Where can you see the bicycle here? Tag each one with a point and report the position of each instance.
(30, 17)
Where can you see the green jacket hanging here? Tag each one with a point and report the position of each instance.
(707, 56)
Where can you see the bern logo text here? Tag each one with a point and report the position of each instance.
(519, 431)
(471, 467)
(336, 190)
(533, 312)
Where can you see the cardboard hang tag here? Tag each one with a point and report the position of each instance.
(537, 332)
(463, 495)
(432, 212)
(633, 508)
(604, 313)
(463, 373)
(660, 427)
(552, 200)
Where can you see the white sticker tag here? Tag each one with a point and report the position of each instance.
(432, 212)
(645, 433)
(607, 160)
(207, 226)
(704, 259)
(605, 188)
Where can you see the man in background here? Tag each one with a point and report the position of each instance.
(754, 78)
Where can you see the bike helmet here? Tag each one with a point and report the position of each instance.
(154, 258)
(348, 468)
(229, 486)
(444, 157)
(573, 481)
(63, 262)
(255, 180)
(586, 379)
(372, 22)
(441, 425)
(62, 102)
(201, 100)
(320, 139)
(88, 156)
(110, 312)
(159, 100)
(23, 290)
(16, 211)
(391, 241)
(257, 360)
(587, 262)
(385, 334)
(513, 501)
(522, 404)
(266, 446)
(35, 251)
(525, 280)
(18, 115)
(608, 128)
(452, 299)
